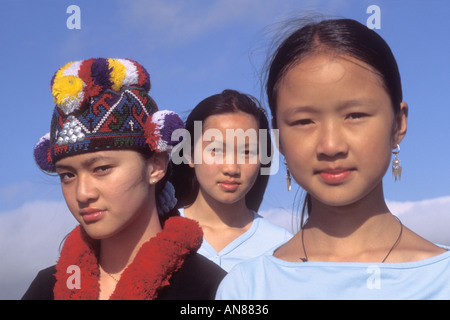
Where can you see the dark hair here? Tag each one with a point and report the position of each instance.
(229, 101)
(336, 37)
(147, 154)
(340, 37)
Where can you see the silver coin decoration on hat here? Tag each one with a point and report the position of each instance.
(71, 132)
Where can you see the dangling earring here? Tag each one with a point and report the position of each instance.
(288, 176)
(396, 167)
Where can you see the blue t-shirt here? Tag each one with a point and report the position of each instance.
(258, 239)
(269, 278)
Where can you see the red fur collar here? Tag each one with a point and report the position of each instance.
(150, 271)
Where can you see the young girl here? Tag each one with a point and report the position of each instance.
(223, 185)
(109, 145)
(335, 95)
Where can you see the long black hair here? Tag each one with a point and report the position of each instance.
(229, 101)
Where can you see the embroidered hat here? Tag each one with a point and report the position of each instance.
(103, 104)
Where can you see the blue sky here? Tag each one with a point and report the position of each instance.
(193, 49)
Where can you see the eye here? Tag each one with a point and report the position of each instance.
(303, 122)
(66, 177)
(215, 150)
(244, 152)
(356, 115)
(102, 170)
(250, 151)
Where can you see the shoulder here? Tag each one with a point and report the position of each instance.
(197, 279)
(415, 248)
(42, 286)
(242, 281)
(265, 225)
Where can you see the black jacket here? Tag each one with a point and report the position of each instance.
(197, 279)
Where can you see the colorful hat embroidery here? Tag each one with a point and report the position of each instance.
(103, 104)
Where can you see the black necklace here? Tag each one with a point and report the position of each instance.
(305, 259)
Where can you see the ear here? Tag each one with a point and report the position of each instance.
(158, 166)
(401, 124)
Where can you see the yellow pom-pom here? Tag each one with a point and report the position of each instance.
(118, 72)
(60, 73)
(68, 92)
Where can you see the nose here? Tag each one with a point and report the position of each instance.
(331, 142)
(85, 191)
(231, 166)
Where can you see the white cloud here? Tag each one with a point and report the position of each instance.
(30, 237)
(428, 218)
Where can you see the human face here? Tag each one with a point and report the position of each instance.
(107, 191)
(229, 166)
(337, 128)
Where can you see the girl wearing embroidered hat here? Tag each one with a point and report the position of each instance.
(109, 145)
(335, 95)
(223, 183)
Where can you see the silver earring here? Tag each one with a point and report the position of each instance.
(396, 167)
(288, 177)
(153, 181)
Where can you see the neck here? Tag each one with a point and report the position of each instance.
(349, 230)
(210, 212)
(118, 251)
(342, 221)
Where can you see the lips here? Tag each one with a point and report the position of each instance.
(335, 175)
(90, 215)
(229, 185)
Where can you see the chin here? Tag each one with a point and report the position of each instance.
(98, 232)
(96, 235)
(228, 201)
(340, 200)
(338, 204)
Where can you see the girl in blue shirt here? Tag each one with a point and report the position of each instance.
(221, 184)
(335, 95)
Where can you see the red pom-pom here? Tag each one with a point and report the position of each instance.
(151, 134)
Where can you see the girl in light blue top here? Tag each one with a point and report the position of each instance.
(335, 95)
(222, 183)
